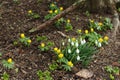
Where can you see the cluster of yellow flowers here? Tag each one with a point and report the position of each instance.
(100, 23)
(55, 11)
(101, 39)
(22, 35)
(61, 55)
(86, 31)
(58, 51)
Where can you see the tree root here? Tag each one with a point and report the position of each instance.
(116, 25)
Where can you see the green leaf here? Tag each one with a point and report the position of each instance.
(41, 38)
(112, 77)
(109, 69)
(5, 76)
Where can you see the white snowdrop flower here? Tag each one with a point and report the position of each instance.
(72, 43)
(69, 40)
(78, 58)
(77, 51)
(96, 42)
(83, 41)
(99, 44)
(77, 44)
(69, 50)
(63, 43)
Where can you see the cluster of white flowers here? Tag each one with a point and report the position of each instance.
(83, 41)
(76, 43)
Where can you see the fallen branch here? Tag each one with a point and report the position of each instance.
(51, 21)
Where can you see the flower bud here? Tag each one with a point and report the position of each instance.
(69, 50)
(77, 51)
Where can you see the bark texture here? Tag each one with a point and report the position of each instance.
(101, 5)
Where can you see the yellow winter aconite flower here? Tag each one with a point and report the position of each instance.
(58, 51)
(60, 55)
(68, 21)
(86, 31)
(70, 64)
(91, 21)
(100, 40)
(22, 35)
(61, 8)
(29, 41)
(55, 49)
(42, 45)
(50, 11)
(100, 24)
(9, 60)
(106, 38)
(30, 11)
(73, 39)
(79, 30)
(52, 5)
(56, 11)
(92, 30)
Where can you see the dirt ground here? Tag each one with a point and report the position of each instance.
(14, 20)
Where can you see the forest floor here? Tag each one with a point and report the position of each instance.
(28, 60)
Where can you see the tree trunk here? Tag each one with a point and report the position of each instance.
(101, 5)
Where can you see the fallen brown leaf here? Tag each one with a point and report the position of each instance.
(85, 73)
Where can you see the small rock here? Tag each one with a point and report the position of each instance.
(85, 73)
(29, 68)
